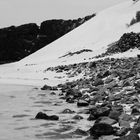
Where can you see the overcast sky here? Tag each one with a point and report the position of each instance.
(16, 12)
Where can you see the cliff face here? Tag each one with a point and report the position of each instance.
(19, 42)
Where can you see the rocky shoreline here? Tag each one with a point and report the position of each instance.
(109, 92)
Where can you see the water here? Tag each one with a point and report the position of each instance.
(20, 104)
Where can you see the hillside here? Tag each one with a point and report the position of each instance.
(96, 34)
(21, 41)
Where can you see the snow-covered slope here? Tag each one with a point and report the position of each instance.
(95, 35)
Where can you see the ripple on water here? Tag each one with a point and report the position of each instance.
(57, 136)
(42, 102)
(20, 116)
(64, 128)
(21, 128)
(46, 125)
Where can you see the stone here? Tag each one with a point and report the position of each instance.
(53, 93)
(82, 103)
(123, 131)
(44, 116)
(98, 82)
(114, 115)
(46, 87)
(67, 111)
(70, 100)
(80, 132)
(125, 124)
(126, 117)
(100, 129)
(135, 111)
(136, 129)
(131, 136)
(77, 117)
(105, 120)
(98, 112)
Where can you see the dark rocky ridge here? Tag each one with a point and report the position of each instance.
(19, 42)
(126, 42)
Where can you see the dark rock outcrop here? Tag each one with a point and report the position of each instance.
(17, 42)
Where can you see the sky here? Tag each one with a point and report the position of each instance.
(17, 12)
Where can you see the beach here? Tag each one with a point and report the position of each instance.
(20, 103)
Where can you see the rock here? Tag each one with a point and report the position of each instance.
(100, 129)
(126, 117)
(82, 103)
(106, 120)
(92, 65)
(46, 87)
(137, 85)
(53, 93)
(136, 129)
(125, 124)
(131, 136)
(123, 131)
(118, 108)
(135, 111)
(44, 116)
(138, 120)
(98, 112)
(70, 100)
(80, 132)
(77, 117)
(108, 80)
(114, 115)
(74, 93)
(98, 82)
(67, 111)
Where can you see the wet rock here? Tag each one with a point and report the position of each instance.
(126, 117)
(84, 111)
(108, 80)
(131, 136)
(125, 124)
(106, 120)
(98, 82)
(118, 108)
(44, 116)
(123, 131)
(98, 112)
(67, 111)
(137, 85)
(114, 115)
(126, 83)
(77, 117)
(100, 129)
(136, 129)
(70, 100)
(46, 87)
(53, 93)
(82, 103)
(80, 132)
(135, 111)
(74, 93)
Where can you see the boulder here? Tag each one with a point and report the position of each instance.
(105, 120)
(82, 103)
(44, 116)
(100, 129)
(98, 112)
